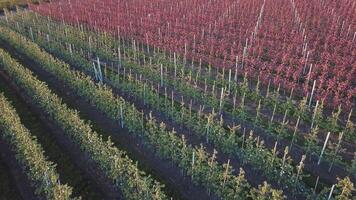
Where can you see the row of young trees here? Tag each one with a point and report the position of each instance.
(29, 153)
(202, 167)
(115, 164)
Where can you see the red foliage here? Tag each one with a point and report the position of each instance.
(217, 31)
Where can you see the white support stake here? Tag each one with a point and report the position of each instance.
(31, 33)
(322, 151)
(70, 49)
(314, 115)
(221, 99)
(121, 116)
(229, 80)
(331, 191)
(161, 75)
(95, 72)
(99, 71)
(312, 93)
(236, 64)
(175, 65)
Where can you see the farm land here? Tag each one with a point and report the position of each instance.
(152, 99)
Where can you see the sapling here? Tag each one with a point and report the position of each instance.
(182, 109)
(300, 169)
(190, 109)
(212, 163)
(315, 114)
(333, 120)
(265, 191)
(209, 70)
(208, 124)
(276, 93)
(344, 189)
(258, 110)
(272, 117)
(286, 151)
(352, 170)
(213, 89)
(244, 85)
(190, 77)
(241, 186)
(337, 149)
(257, 88)
(192, 65)
(223, 75)
(295, 132)
(283, 126)
(243, 138)
(196, 79)
(231, 141)
(241, 110)
(302, 107)
(221, 122)
(268, 88)
(6, 15)
(309, 74)
(274, 155)
(227, 172)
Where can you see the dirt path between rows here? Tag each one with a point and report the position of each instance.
(21, 184)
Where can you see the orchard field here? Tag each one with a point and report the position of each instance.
(187, 99)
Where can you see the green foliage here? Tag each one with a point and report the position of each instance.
(344, 189)
(29, 154)
(113, 162)
(265, 192)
